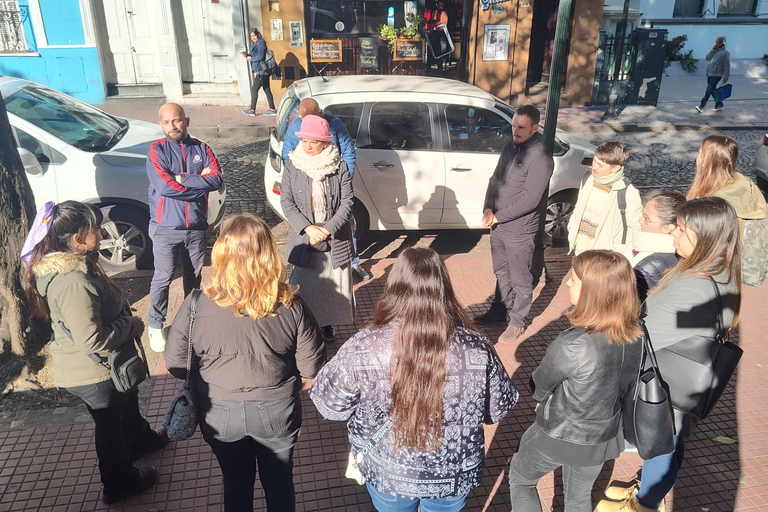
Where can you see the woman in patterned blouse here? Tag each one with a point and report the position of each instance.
(421, 366)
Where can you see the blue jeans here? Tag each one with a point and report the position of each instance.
(247, 435)
(167, 244)
(659, 475)
(388, 503)
(712, 82)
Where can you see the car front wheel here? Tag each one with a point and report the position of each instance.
(125, 243)
(559, 209)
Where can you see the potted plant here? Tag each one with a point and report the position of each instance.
(389, 34)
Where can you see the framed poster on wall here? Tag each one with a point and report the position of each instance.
(496, 42)
(277, 30)
(297, 34)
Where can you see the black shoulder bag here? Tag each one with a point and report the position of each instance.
(181, 416)
(648, 422)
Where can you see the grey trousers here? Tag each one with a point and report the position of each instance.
(533, 461)
(512, 255)
(168, 243)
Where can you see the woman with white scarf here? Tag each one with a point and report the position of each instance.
(316, 196)
(597, 221)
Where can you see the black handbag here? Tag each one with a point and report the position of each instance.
(181, 417)
(647, 413)
(698, 369)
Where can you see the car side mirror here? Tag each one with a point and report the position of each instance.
(31, 164)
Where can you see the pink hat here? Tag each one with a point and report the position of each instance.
(314, 128)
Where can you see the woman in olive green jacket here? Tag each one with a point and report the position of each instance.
(89, 315)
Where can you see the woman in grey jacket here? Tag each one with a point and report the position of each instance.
(256, 343)
(580, 383)
(684, 305)
(89, 315)
(317, 198)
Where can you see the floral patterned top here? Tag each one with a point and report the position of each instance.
(354, 386)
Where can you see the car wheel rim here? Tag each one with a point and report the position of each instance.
(122, 243)
(556, 223)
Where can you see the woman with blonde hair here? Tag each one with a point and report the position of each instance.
(255, 341)
(580, 384)
(716, 176)
(416, 388)
(702, 289)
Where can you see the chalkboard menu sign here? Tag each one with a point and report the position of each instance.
(409, 49)
(325, 50)
(369, 52)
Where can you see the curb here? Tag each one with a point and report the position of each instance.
(654, 127)
(222, 132)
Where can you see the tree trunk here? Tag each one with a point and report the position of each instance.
(17, 210)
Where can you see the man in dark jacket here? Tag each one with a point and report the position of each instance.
(514, 193)
(182, 171)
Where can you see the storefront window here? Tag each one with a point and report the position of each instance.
(736, 7)
(334, 17)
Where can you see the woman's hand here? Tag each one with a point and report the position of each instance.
(316, 234)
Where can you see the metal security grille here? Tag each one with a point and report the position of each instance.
(13, 39)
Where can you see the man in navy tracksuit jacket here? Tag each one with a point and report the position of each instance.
(182, 171)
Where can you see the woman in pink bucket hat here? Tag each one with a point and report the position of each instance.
(316, 197)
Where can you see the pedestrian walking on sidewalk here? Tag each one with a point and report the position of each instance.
(511, 211)
(609, 207)
(255, 342)
(580, 383)
(182, 171)
(89, 315)
(317, 200)
(309, 107)
(718, 68)
(256, 55)
(416, 388)
(698, 299)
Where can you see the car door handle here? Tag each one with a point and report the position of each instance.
(382, 166)
(461, 169)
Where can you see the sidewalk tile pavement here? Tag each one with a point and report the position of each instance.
(55, 468)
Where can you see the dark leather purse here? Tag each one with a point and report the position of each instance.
(648, 422)
(698, 369)
(181, 416)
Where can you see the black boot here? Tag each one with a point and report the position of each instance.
(157, 439)
(496, 313)
(143, 479)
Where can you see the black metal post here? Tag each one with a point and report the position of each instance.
(557, 72)
(618, 63)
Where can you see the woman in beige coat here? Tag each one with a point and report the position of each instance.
(89, 315)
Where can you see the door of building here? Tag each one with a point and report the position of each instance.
(131, 57)
(205, 43)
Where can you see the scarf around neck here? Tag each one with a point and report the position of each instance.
(610, 179)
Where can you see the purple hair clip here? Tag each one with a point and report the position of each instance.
(40, 227)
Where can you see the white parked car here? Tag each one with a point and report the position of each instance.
(426, 148)
(73, 151)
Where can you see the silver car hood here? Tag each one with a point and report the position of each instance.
(132, 149)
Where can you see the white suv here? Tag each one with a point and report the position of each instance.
(426, 148)
(73, 151)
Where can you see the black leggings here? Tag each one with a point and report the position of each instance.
(261, 82)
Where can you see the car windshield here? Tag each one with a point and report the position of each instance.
(71, 120)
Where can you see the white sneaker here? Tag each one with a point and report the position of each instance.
(699, 109)
(156, 339)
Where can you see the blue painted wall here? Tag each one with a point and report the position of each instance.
(75, 71)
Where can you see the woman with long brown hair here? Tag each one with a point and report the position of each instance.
(420, 368)
(580, 384)
(704, 286)
(89, 316)
(255, 342)
(716, 176)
